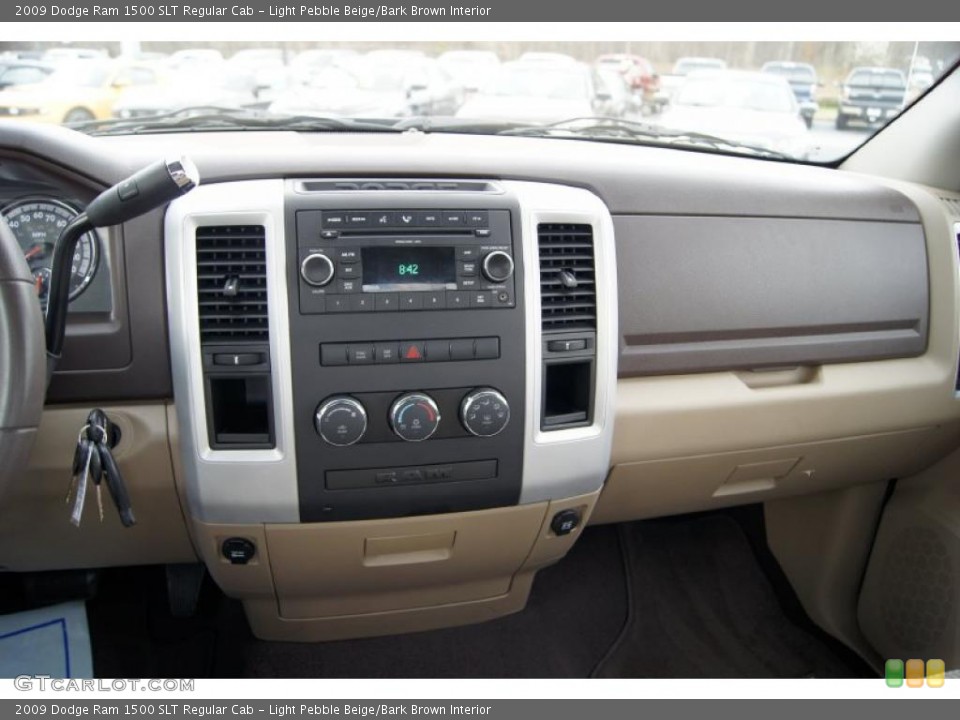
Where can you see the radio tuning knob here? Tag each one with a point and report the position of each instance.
(317, 269)
(497, 266)
(484, 412)
(414, 417)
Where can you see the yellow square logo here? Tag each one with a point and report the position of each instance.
(936, 672)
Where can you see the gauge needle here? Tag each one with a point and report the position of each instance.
(35, 250)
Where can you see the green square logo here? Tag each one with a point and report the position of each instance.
(893, 671)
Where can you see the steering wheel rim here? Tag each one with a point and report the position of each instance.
(22, 360)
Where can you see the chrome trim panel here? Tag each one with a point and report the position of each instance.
(230, 486)
(564, 463)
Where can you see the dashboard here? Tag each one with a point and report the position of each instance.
(375, 383)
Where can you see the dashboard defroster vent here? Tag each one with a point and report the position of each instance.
(232, 283)
(568, 294)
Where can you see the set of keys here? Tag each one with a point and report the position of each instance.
(93, 463)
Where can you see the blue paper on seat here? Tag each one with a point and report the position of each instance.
(53, 641)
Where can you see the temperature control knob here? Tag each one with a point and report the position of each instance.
(317, 269)
(341, 420)
(485, 412)
(414, 417)
(497, 266)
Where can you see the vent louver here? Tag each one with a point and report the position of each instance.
(232, 283)
(568, 297)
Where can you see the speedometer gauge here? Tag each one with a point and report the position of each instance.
(37, 223)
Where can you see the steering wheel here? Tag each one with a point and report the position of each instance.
(22, 359)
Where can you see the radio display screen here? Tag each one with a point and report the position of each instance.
(389, 269)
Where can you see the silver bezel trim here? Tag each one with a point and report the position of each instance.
(574, 461)
(230, 486)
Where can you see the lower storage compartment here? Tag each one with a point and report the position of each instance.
(678, 485)
(325, 581)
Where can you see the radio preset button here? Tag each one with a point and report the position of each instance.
(338, 303)
(411, 301)
(457, 299)
(385, 302)
(317, 269)
(361, 303)
(434, 300)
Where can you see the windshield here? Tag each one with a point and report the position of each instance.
(711, 90)
(530, 80)
(805, 101)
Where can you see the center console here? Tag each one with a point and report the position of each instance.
(394, 397)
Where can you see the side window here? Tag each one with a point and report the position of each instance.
(22, 76)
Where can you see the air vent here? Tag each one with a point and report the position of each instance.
(568, 297)
(952, 204)
(232, 283)
(390, 184)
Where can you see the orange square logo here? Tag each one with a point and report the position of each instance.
(914, 673)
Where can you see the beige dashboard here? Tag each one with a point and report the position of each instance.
(681, 443)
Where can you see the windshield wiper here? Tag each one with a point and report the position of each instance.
(212, 118)
(620, 130)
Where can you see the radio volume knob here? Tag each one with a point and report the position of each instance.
(317, 269)
(484, 412)
(414, 417)
(497, 266)
(341, 420)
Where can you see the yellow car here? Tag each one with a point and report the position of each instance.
(76, 92)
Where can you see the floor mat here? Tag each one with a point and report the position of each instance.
(702, 608)
(575, 612)
(52, 641)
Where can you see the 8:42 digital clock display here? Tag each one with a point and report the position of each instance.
(387, 269)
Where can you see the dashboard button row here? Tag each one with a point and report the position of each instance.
(350, 300)
(409, 351)
(332, 220)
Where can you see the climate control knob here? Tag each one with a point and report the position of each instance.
(317, 269)
(341, 420)
(497, 266)
(485, 412)
(414, 417)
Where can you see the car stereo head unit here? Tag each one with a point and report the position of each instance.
(403, 260)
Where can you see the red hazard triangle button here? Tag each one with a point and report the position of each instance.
(411, 352)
